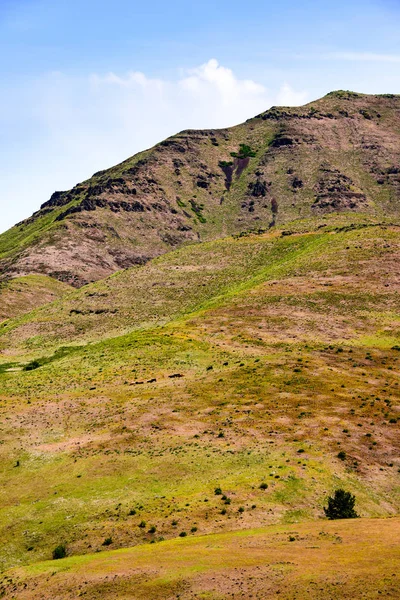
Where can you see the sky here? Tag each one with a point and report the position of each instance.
(84, 84)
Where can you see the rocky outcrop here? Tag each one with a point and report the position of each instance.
(336, 192)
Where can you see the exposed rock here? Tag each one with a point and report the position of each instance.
(281, 139)
(335, 192)
(227, 168)
(297, 183)
(90, 204)
(258, 188)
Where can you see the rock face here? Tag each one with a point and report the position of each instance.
(340, 153)
(335, 191)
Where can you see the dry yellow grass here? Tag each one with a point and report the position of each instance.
(310, 561)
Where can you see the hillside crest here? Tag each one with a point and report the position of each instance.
(337, 154)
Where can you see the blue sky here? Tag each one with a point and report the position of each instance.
(85, 84)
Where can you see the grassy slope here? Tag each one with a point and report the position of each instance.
(329, 560)
(180, 282)
(23, 294)
(285, 347)
(23, 235)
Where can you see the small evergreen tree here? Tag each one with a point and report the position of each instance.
(341, 506)
(59, 552)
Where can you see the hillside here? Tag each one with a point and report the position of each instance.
(340, 153)
(258, 360)
(18, 295)
(177, 425)
(307, 561)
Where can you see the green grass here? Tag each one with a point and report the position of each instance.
(30, 232)
(358, 558)
(264, 364)
(186, 280)
(279, 352)
(21, 294)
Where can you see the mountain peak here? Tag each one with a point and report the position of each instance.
(338, 153)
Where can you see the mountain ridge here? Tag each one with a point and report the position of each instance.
(336, 154)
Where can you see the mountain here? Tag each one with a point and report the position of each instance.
(340, 153)
(176, 427)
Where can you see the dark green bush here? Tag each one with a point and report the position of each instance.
(244, 152)
(341, 506)
(107, 542)
(34, 364)
(59, 552)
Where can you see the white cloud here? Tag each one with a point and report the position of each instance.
(81, 125)
(207, 96)
(289, 97)
(132, 79)
(213, 77)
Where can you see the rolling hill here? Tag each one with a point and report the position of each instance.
(178, 425)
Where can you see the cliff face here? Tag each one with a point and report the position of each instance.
(340, 153)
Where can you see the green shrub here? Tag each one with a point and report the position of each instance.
(34, 364)
(342, 455)
(107, 542)
(341, 506)
(244, 152)
(263, 486)
(59, 552)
